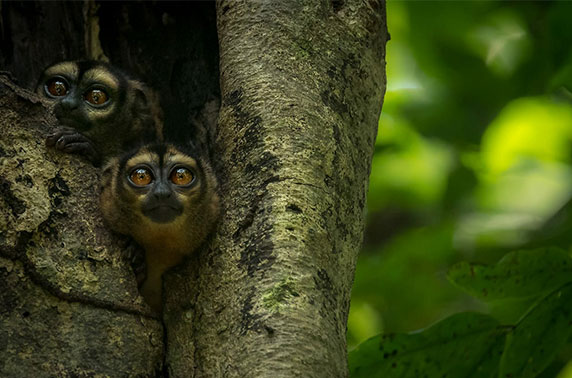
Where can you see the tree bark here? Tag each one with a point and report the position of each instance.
(302, 85)
(69, 305)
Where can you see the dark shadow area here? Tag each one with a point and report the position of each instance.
(172, 46)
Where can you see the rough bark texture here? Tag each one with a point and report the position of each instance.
(69, 305)
(53, 246)
(302, 86)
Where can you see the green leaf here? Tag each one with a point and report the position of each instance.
(519, 274)
(540, 334)
(463, 345)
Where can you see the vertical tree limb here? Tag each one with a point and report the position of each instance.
(302, 86)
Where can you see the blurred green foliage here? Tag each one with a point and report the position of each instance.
(473, 155)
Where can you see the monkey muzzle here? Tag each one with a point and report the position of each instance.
(162, 210)
(71, 118)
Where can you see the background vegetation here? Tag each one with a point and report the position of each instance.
(472, 160)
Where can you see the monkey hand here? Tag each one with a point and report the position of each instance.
(71, 141)
(134, 255)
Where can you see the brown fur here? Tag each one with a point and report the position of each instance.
(165, 244)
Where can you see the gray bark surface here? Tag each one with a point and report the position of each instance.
(69, 305)
(302, 85)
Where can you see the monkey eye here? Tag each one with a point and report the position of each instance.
(141, 176)
(56, 87)
(182, 176)
(96, 96)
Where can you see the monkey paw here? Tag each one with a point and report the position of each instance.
(135, 256)
(72, 142)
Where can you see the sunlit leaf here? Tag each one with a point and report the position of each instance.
(519, 274)
(528, 128)
(363, 322)
(464, 345)
(534, 342)
(566, 372)
(533, 187)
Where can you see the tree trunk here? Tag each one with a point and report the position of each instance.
(302, 85)
(68, 303)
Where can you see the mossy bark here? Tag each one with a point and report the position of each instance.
(302, 87)
(68, 303)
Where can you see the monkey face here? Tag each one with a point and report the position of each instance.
(163, 197)
(164, 183)
(85, 94)
(166, 199)
(161, 185)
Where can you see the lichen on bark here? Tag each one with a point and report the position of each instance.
(68, 303)
(302, 86)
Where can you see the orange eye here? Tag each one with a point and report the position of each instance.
(181, 176)
(96, 97)
(57, 87)
(141, 176)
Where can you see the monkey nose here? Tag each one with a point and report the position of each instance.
(162, 191)
(69, 103)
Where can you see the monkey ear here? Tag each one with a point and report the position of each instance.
(145, 99)
(141, 101)
(147, 106)
(140, 94)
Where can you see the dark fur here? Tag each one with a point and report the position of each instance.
(135, 118)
